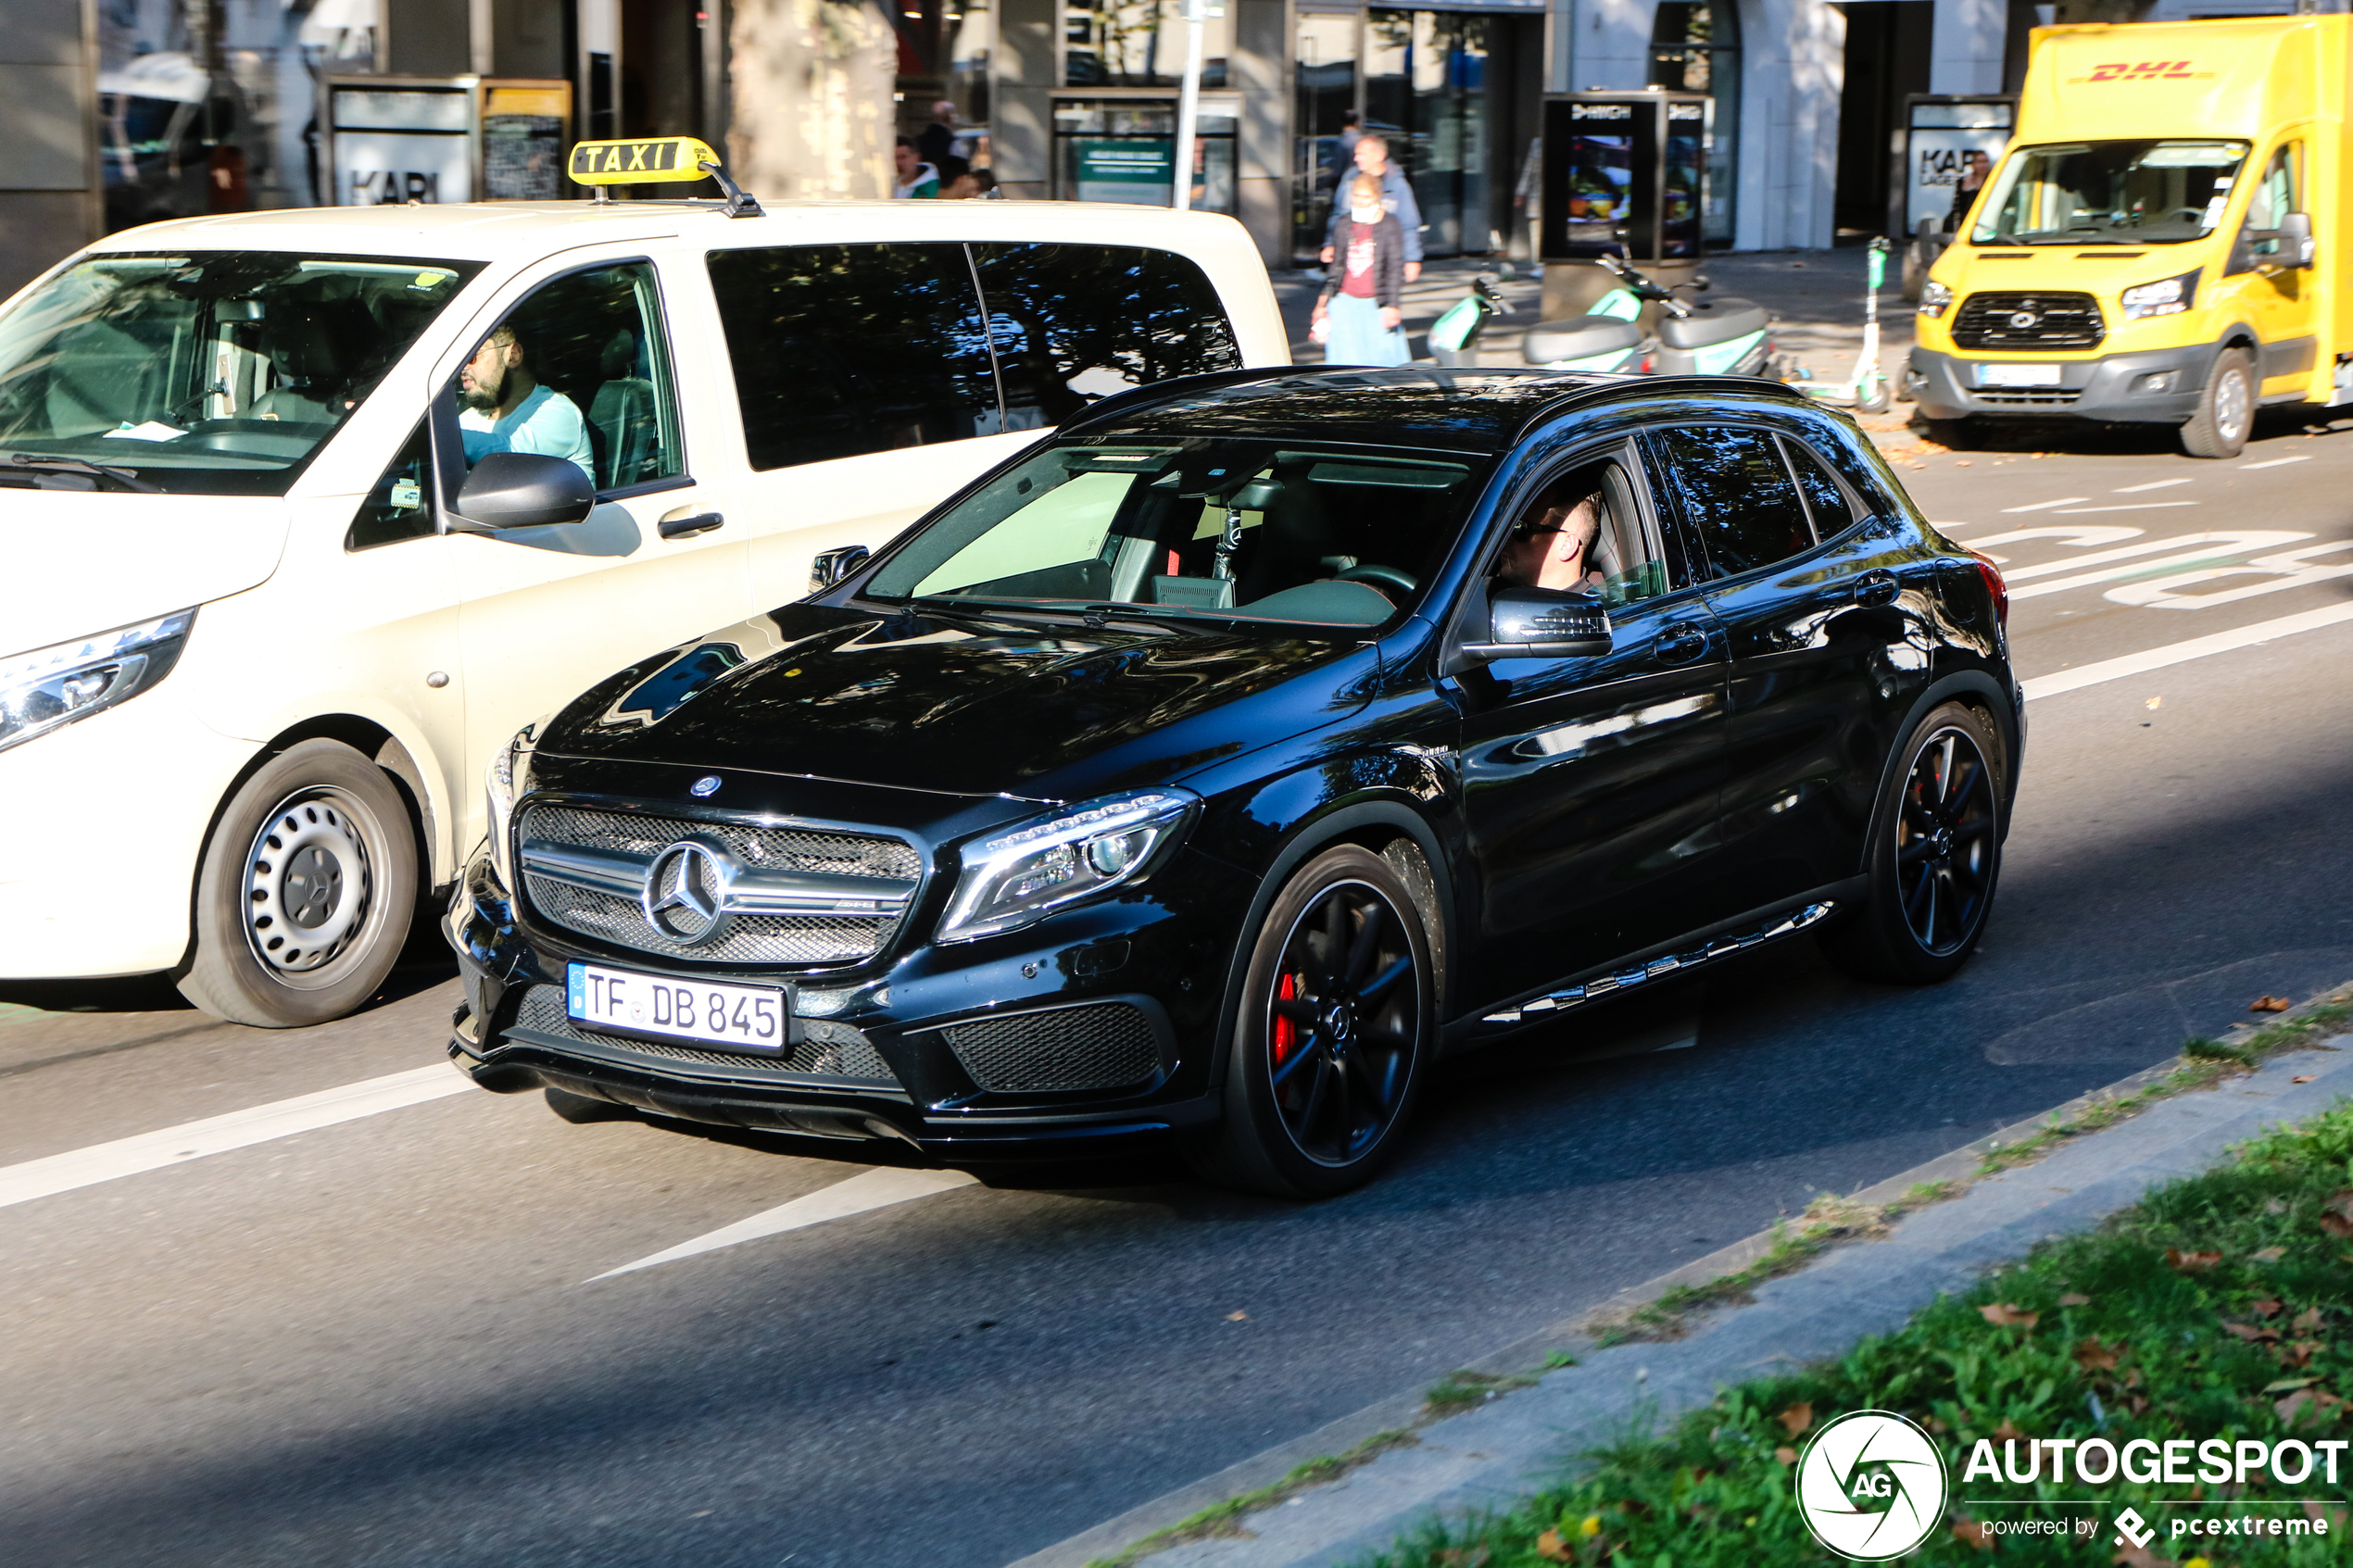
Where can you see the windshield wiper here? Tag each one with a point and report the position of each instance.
(128, 478)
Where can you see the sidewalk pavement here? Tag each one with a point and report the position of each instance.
(1489, 1457)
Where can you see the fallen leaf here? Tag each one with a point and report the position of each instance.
(2093, 1356)
(2007, 1432)
(2073, 1299)
(2154, 703)
(1960, 462)
(2190, 1262)
(2001, 1314)
(1237, 1317)
(1968, 1532)
(2340, 1202)
(2284, 1383)
(1590, 1527)
(1797, 1418)
(2336, 1225)
(2274, 1206)
(2288, 1410)
(2270, 1004)
(2306, 1321)
(1787, 1456)
(2299, 1355)
(2139, 1557)
(1551, 1548)
(2268, 1255)
(2266, 1309)
(2306, 1079)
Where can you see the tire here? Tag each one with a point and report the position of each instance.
(1333, 1032)
(306, 891)
(1875, 398)
(2225, 409)
(1936, 858)
(581, 1110)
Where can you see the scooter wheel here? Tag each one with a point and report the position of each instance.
(1875, 398)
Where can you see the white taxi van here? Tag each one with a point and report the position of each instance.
(303, 513)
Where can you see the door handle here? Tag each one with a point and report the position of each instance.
(688, 527)
(1876, 588)
(1680, 644)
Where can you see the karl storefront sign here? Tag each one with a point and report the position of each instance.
(393, 140)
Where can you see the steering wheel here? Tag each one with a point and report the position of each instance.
(1387, 577)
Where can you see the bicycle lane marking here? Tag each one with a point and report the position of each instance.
(2182, 653)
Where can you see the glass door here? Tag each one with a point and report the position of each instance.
(1426, 91)
(1325, 83)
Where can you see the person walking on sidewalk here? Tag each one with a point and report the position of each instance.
(913, 178)
(1396, 198)
(1360, 318)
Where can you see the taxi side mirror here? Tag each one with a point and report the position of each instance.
(523, 489)
(2297, 246)
(1544, 623)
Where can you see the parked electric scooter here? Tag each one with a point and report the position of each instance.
(1724, 337)
(1865, 390)
(1453, 337)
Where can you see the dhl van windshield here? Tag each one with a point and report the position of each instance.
(214, 373)
(2135, 193)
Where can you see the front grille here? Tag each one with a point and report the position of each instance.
(806, 939)
(1102, 1046)
(2056, 397)
(827, 1049)
(2029, 320)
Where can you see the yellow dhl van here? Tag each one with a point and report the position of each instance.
(2165, 239)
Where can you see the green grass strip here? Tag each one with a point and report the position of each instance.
(1225, 1518)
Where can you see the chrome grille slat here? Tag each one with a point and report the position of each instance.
(582, 870)
(2061, 319)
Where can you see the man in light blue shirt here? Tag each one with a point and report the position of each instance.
(504, 409)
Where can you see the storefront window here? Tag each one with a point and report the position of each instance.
(1426, 91)
(1135, 44)
(1695, 45)
(1125, 150)
(1325, 80)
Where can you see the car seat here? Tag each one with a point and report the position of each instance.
(621, 420)
(314, 347)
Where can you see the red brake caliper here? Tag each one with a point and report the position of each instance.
(1285, 1031)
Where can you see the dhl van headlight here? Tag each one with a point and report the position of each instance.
(2167, 297)
(1934, 298)
(46, 689)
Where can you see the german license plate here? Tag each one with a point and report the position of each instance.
(740, 1018)
(2018, 375)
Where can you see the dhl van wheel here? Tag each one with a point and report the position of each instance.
(2225, 409)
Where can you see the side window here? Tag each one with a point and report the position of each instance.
(844, 349)
(1585, 527)
(401, 505)
(2275, 197)
(1075, 323)
(580, 370)
(1833, 514)
(1735, 495)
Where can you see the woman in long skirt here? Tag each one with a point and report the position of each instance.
(1360, 318)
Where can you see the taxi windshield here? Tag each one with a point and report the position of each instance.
(2132, 193)
(1231, 531)
(202, 372)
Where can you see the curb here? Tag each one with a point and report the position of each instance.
(1490, 1456)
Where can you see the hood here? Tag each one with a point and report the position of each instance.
(966, 706)
(2103, 271)
(85, 562)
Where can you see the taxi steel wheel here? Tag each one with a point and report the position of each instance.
(1334, 1028)
(1938, 855)
(305, 895)
(2225, 409)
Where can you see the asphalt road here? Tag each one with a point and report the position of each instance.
(381, 1340)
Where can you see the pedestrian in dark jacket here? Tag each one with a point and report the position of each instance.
(1371, 154)
(1361, 318)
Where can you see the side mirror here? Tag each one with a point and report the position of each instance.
(524, 490)
(829, 567)
(2296, 244)
(1544, 623)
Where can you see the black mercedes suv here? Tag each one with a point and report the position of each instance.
(1215, 765)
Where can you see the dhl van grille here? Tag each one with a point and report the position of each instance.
(2029, 320)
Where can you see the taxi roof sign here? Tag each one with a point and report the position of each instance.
(648, 161)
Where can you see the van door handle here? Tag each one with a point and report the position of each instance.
(688, 527)
(1876, 588)
(1680, 644)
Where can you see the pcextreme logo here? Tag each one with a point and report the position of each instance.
(1871, 1485)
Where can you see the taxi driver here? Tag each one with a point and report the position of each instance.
(1552, 545)
(503, 408)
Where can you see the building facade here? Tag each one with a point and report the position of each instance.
(124, 111)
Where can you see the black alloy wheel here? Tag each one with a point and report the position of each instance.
(1333, 1029)
(1937, 857)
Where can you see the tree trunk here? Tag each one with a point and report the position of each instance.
(811, 83)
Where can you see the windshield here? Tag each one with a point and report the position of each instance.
(214, 373)
(1198, 529)
(2109, 193)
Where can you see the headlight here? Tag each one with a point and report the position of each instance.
(2167, 297)
(1934, 298)
(509, 781)
(48, 688)
(1026, 873)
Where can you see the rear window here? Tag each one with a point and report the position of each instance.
(840, 350)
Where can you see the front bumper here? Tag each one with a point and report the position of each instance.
(2159, 386)
(1094, 1024)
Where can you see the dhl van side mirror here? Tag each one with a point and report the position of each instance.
(2296, 244)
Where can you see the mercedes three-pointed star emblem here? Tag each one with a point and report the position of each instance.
(685, 892)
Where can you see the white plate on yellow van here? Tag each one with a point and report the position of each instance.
(2018, 375)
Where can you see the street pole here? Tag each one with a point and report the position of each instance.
(1189, 102)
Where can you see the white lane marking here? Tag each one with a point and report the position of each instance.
(878, 1188)
(2203, 548)
(218, 1134)
(2275, 462)
(2152, 484)
(2126, 507)
(2180, 653)
(2046, 506)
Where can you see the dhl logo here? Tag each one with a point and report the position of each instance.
(2146, 70)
